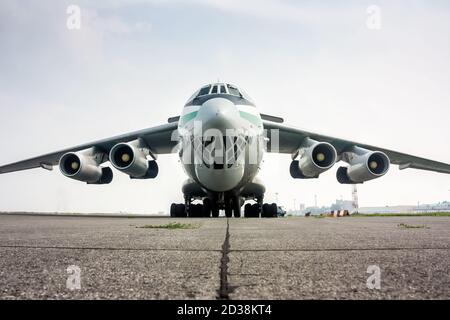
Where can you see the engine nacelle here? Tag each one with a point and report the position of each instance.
(85, 167)
(315, 158)
(365, 165)
(131, 158)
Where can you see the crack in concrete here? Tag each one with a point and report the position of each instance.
(225, 289)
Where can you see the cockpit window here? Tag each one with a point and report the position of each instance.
(246, 96)
(212, 90)
(233, 90)
(204, 91)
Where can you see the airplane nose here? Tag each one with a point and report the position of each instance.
(218, 113)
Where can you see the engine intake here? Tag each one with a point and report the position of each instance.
(315, 158)
(84, 167)
(131, 159)
(365, 165)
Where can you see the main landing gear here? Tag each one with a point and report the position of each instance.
(188, 209)
(256, 210)
(231, 206)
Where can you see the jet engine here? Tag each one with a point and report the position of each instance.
(85, 166)
(131, 158)
(314, 158)
(365, 165)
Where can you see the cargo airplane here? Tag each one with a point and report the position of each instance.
(220, 138)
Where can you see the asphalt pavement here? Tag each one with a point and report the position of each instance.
(43, 257)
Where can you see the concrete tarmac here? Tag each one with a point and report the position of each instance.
(285, 258)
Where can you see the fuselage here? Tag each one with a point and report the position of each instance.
(221, 134)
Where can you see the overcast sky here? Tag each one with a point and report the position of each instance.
(134, 63)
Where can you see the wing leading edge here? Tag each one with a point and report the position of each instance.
(159, 139)
(290, 139)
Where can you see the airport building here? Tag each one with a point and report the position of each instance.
(423, 208)
(343, 205)
(437, 207)
(350, 207)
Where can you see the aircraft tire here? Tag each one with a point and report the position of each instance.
(180, 211)
(236, 205)
(265, 211)
(173, 210)
(248, 210)
(196, 211)
(214, 210)
(206, 208)
(273, 210)
(254, 212)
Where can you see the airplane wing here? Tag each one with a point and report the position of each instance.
(290, 139)
(158, 139)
